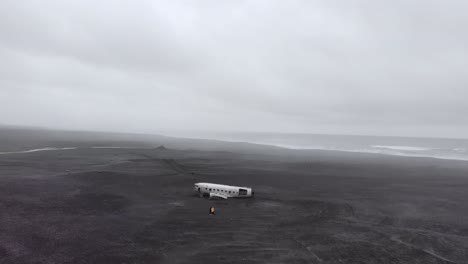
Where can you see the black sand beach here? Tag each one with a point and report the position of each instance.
(135, 205)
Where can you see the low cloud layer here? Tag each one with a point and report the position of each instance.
(348, 67)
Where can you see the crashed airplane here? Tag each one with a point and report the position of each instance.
(221, 191)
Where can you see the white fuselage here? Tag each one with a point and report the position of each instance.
(221, 190)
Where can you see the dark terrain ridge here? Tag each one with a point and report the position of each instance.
(136, 205)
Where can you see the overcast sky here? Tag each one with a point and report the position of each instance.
(347, 67)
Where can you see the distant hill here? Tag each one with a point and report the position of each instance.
(161, 148)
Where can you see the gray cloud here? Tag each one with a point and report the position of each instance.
(360, 67)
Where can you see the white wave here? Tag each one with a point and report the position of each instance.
(418, 152)
(401, 148)
(459, 149)
(287, 146)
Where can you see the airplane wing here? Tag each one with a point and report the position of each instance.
(217, 196)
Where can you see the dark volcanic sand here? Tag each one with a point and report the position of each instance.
(137, 206)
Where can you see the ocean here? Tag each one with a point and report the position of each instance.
(442, 148)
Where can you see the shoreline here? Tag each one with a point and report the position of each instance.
(318, 150)
(23, 140)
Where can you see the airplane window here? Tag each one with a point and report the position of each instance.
(210, 189)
